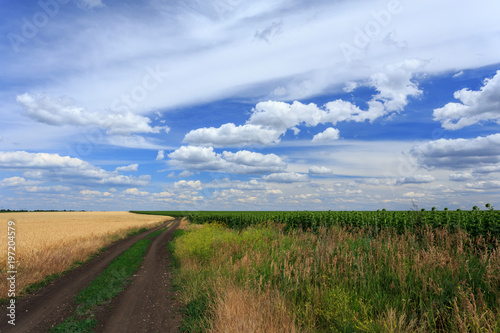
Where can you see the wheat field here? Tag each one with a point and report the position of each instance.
(50, 242)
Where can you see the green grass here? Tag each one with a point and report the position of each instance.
(346, 280)
(106, 286)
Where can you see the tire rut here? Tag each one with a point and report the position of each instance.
(148, 304)
(51, 305)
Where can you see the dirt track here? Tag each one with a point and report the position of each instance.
(148, 297)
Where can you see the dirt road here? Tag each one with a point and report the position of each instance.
(53, 303)
(148, 304)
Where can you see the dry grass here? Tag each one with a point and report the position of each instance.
(242, 310)
(50, 242)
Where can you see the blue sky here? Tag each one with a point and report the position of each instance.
(249, 105)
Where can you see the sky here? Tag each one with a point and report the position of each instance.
(249, 105)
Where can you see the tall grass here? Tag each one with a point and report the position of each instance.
(262, 279)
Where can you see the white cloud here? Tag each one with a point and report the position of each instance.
(56, 188)
(460, 176)
(185, 173)
(164, 194)
(131, 167)
(414, 195)
(232, 135)
(96, 193)
(459, 153)
(350, 86)
(282, 116)
(197, 158)
(135, 191)
(241, 162)
(488, 168)
(474, 106)
(270, 120)
(286, 177)
(485, 185)
(161, 155)
(329, 135)
(18, 181)
(316, 170)
(416, 179)
(55, 167)
(191, 184)
(245, 157)
(458, 74)
(63, 111)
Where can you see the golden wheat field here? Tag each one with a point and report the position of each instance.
(50, 242)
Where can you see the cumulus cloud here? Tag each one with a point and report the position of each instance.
(232, 135)
(185, 173)
(131, 167)
(191, 184)
(329, 135)
(135, 191)
(414, 195)
(460, 176)
(316, 170)
(18, 181)
(241, 162)
(161, 155)
(272, 119)
(474, 106)
(459, 153)
(286, 177)
(245, 157)
(415, 179)
(48, 167)
(96, 193)
(282, 116)
(488, 168)
(63, 111)
(485, 185)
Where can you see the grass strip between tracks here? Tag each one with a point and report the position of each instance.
(106, 286)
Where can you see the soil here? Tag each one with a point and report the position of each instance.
(147, 305)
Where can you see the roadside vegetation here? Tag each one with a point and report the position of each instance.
(270, 275)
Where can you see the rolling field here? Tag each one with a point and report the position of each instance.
(50, 242)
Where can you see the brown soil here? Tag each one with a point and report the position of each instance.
(147, 305)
